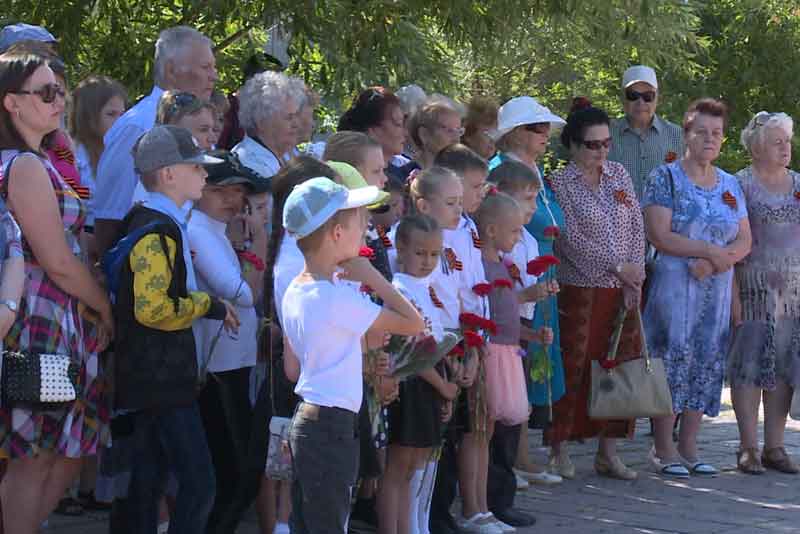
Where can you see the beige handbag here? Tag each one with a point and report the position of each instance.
(794, 411)
(635, 388)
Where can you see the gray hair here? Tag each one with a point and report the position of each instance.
(172, 44)
(753, 133)
(264, 94)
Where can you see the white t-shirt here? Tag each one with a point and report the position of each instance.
(460, 269)
(324, 322)
(289, 264)
(84, 165)
(524, 251)
(417, 291)
(219, 273)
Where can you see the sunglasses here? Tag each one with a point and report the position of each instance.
(597, 144)
(633, 96)
(538, 127)
(47, 92)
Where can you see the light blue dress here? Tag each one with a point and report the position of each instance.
(687, 321)
(548, 213)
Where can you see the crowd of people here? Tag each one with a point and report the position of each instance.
(367, 324)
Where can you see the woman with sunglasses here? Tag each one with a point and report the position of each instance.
(523, 131)
(766, 304)
(601, 250)
(696, 217)
(63, 310)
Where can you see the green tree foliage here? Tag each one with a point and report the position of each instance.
(741, 50)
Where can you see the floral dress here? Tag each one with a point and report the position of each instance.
(687, 321)
(766, 346)
(50, 321)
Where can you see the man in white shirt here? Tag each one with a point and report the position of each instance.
(184, 61)
(224, 401)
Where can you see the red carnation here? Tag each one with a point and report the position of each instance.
(489, 326)
(247, 256)
(366, 252)
(552, 232)
(538, 266)
(503, 282)
(472, 339)
(470, 320)
(482, 289)
(608, 364)
(458, 351)
(670, 157)
(365, 289)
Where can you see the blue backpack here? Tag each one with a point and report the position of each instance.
(115, 257)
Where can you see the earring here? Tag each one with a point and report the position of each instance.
(19, 115)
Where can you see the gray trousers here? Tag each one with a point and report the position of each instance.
(325, 450)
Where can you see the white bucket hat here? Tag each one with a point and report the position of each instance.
(523, 110)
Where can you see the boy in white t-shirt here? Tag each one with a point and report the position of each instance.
(324, 320)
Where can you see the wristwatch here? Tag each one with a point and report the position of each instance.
(10, 304)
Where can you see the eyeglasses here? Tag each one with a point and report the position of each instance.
(597, 144)
(633, 96)
(454, 131)
(538, 127)
(47, 92)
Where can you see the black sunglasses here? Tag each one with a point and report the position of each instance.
(597, 144)
(633, 96)
(48, 92)
(538, 127)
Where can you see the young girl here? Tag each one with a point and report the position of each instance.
(414, 419)
(499, 219)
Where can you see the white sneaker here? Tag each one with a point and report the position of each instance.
(503, 526)
(542, 477)
(281, 528)
(478, 524)
(163, 528)
(522, 483)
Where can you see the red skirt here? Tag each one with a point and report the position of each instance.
(587, 317)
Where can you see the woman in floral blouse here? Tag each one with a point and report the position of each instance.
(601, 248)
(696, 217)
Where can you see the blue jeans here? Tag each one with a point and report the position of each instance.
(325, 449)
(171, 439)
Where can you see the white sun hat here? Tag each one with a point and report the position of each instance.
(522, 110)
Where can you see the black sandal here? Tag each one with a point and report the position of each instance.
(69, 507)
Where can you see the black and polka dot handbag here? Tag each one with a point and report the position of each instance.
(38, 378)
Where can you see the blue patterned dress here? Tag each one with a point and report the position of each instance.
(548, 213)
(687, 321)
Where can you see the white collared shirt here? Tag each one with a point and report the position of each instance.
(258, 157)
(116, 176)
(526, 249)
(219, 273)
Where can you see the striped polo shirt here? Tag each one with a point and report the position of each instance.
(642, 152)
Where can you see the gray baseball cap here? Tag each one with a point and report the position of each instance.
(14, 33)
(167, 145)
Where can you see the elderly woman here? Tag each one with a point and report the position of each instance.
(480, 122)
(522, 133)
(696, 218)
(601, 249)
(434, 126)
(269, 106)
(766, 307)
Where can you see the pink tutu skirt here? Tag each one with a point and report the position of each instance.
(506, 392)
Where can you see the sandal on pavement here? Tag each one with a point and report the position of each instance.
(699, 468)
(747, 462)
(776, 458)
(538, 477)
(562, 465)
(613, 468)
(668, 469)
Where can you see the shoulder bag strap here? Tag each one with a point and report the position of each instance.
(617, 334)
(643, 337)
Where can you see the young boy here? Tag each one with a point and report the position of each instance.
(225, 400)
(156, 371)
(324, 320)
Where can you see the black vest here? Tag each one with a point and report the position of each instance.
(152, 368)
